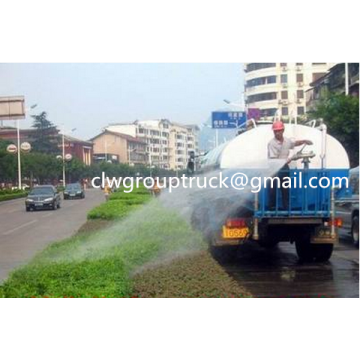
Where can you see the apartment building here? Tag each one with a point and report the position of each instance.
(168, 145)
(280, 87)
(119, 148)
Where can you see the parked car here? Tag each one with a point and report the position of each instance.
(74, 191)
(43, 197)
(347, 207)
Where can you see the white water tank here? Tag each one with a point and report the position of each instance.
(249, 150)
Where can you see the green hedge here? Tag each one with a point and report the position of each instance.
(12, 194)
(111, 210)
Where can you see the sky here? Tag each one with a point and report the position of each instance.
(90, 96)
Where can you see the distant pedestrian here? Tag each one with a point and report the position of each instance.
(107, 191)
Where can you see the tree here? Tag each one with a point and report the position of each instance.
(45, 138)
(341, 115)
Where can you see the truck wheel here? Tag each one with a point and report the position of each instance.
(269, 245)
(322, 252)
(304, 249)
(355, 230)
(223, 254)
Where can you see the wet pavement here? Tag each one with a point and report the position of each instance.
(278, 273)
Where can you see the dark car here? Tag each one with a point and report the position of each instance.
(43, 197)
(347, 207)
(74, 191)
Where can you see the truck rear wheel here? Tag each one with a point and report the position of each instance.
(304, 250)
(355, 230)
(322, 252)
(223, 254)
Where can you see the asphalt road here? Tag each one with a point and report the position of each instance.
(23, 234)
(278, 273)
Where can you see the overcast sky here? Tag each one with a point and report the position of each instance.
(90, 96)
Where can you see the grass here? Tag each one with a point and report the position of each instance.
(100, 264)
(111, 210)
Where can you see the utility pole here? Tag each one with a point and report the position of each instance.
(63, 155)
(19, 154)
(346, 79)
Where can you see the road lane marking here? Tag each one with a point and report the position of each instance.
(19, 227)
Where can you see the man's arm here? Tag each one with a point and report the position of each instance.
(303, 142)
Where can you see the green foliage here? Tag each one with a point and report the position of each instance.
(111, 210)
(45, 138)
(8, 194)
(341, 115)
(8, 166)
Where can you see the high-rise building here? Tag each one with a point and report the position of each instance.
(168, 144)
(280, 87)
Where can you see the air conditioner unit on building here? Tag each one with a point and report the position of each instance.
(285, 102)
(280, 102)
(284, 68)
(284, 85)
(300, 84)
(299, 101)
(298, 68)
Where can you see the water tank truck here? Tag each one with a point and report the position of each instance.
(231, 217)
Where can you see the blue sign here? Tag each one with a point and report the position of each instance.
(228, 119)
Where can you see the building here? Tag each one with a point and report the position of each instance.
(168, 144)
(116, 147)
(280, 87)
(80, 149)
(26, 135)
(334, 81)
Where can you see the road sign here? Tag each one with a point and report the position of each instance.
(25, 147)
(12, 108)
(68, 157)
(12, 149)
(228, 119)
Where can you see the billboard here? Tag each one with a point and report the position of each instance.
(12, 108)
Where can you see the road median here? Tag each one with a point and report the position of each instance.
(123, 244)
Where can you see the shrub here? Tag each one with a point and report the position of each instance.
(111, 210)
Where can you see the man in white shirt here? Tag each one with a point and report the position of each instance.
(279, 148)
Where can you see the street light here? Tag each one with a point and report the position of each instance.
(18, 145)
(63, 152)
(129, 152)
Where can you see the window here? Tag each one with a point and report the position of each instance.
(316, 76)
(299, 64)
(300, 110)
(299, 77)
(318, 63)
(268, 112)
(283, 64)
(284, 79)
(262, 97)
(284, 95)
(300, 94)
(285, 111)
(258, 66)
(261, 81)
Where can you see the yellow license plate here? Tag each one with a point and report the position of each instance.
(234, 233)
